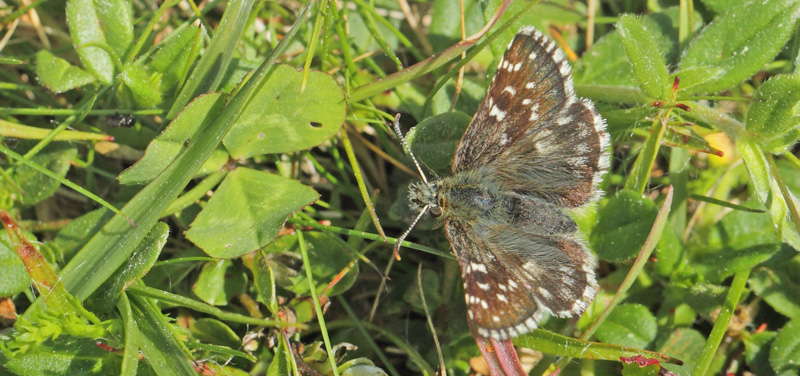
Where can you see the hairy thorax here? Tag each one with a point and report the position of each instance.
(466, 195)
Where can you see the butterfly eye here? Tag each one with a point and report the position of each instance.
(435, 211)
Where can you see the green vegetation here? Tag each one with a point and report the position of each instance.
(203, 187)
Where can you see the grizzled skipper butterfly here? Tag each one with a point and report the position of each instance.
(533, 152)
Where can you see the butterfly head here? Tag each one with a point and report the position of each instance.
(422, 196)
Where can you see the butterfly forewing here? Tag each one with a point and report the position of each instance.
(541, 139)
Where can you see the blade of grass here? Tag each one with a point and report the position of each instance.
(9, 129)
(643, 166)
(366, 235)
(721, 325)
(210, 69)
(315, 298)
(553, 343)
(362, 187)
(787, 196)
(130, 349)
(312, 45)
(149, 292)
(431, 327)
(726, 204)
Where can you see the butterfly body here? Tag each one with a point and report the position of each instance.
(533, 152)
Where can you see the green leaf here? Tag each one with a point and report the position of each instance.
(779, 286)
(725, 262)
(247, 199)
(469, 98)
(65, 355)
(630, 325)
(784, 354)
(668, 253)
(264, 281)
(719, 6)
(445, 30)
(279, 365)
(701, 297)
(649, 68)
(37, 186)
(430, 284)
(117, 21)
(622, 226)
(741, 41)
(684, 344)
(157, 340)
(756, 352)
(165, 277)
(434, 140)
(102, 23)
(280, 118)
(175, 54)
(364, 370)
(634, 369)
(140, 262)
(693, 77)
(169, 144)
(57, 74)
(14, 278)
(772, 119)
(328, 255)
(75, 234)
(145, 87)
(757, 167)
(215, 332)
(741, 240)
(605, 63)
(219, 282)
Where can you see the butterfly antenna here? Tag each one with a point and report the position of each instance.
(408, 149)
(403, 236)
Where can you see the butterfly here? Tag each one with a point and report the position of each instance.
(533, 152)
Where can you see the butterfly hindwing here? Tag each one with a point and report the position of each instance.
(518, 268)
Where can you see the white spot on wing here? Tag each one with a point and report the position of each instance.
(531, 323)
(510, 89)
(534, 112)
(497, 113)
(544, 293)
(503, 142)
(478, 267)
